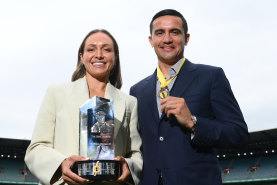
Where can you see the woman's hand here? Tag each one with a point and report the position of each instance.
(125, 169)
(67, 175)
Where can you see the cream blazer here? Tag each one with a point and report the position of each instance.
(56, 134)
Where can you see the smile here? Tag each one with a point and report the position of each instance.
(98, 63)
(167, 48)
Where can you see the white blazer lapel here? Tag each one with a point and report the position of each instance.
(78, 96)
(119, 106)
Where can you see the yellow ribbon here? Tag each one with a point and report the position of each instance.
(96, 169)
(161, 78)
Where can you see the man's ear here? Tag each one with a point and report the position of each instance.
(187, 38)
(150, 40)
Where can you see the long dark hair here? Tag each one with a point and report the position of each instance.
(115, 75)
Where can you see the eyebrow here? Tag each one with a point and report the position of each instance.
(103, 45)
(158, 30)
(173, 29)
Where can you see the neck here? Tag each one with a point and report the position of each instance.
(96, 87)
(165, 68)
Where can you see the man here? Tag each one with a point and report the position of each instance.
(185, 111)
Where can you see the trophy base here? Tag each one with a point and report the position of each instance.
(97, 169)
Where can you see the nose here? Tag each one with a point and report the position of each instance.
(99, 54)
(167, 38)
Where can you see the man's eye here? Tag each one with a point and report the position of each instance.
(159, 33)
(107, 49)
(90, 50)
(175, 32)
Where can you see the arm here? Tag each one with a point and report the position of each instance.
(49, 165)
(225, 127)
(42, 160)
(228, 128)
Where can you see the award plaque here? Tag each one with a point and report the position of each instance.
(96, 141)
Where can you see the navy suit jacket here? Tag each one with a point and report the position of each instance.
(220, 124)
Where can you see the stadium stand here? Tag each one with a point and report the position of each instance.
(254, 165)
(13, 168)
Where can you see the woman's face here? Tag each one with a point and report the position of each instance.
(98, 56)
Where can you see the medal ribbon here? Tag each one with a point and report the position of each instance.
(160, 75)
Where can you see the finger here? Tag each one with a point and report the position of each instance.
(77, 158)
(163, 101)
(162, 108)
(68, 180)
(169, 113)
(119, 158)
(74, 177)
(175, 105)
(125, 173)
(124, 167)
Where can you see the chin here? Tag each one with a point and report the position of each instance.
(101, 75)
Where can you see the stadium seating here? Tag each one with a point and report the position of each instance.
(249, 167)
(11, 169)
(14, 170)
(266, 168)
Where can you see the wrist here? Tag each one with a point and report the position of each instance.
(194, 124)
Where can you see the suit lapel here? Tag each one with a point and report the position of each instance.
(184, 78)
(150, 97)
(77, 96)
(119, 106)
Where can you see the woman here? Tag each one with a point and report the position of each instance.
(55, 142)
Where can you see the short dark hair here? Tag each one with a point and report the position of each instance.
(115, 75)
(169, 12)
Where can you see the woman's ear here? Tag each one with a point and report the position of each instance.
(81, 57)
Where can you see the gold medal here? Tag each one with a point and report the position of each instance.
(163, 93)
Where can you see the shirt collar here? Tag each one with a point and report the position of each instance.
(173, 70)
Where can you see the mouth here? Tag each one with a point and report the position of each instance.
(167, 48)
(98, 63)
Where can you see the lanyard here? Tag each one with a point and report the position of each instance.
(160, 75)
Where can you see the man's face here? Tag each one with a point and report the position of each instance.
(168, 39)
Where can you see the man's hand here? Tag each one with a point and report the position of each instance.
(177, 107)
(67, 175)
(125, 170)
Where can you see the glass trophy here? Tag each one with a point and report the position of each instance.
(96, 141)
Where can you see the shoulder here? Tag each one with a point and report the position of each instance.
(130, 101)
(203, 67)
(143, 81)
(60, 87)
(62, 90)
(126, 97)
(205, 71)
(65, 86)
(139, 86)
